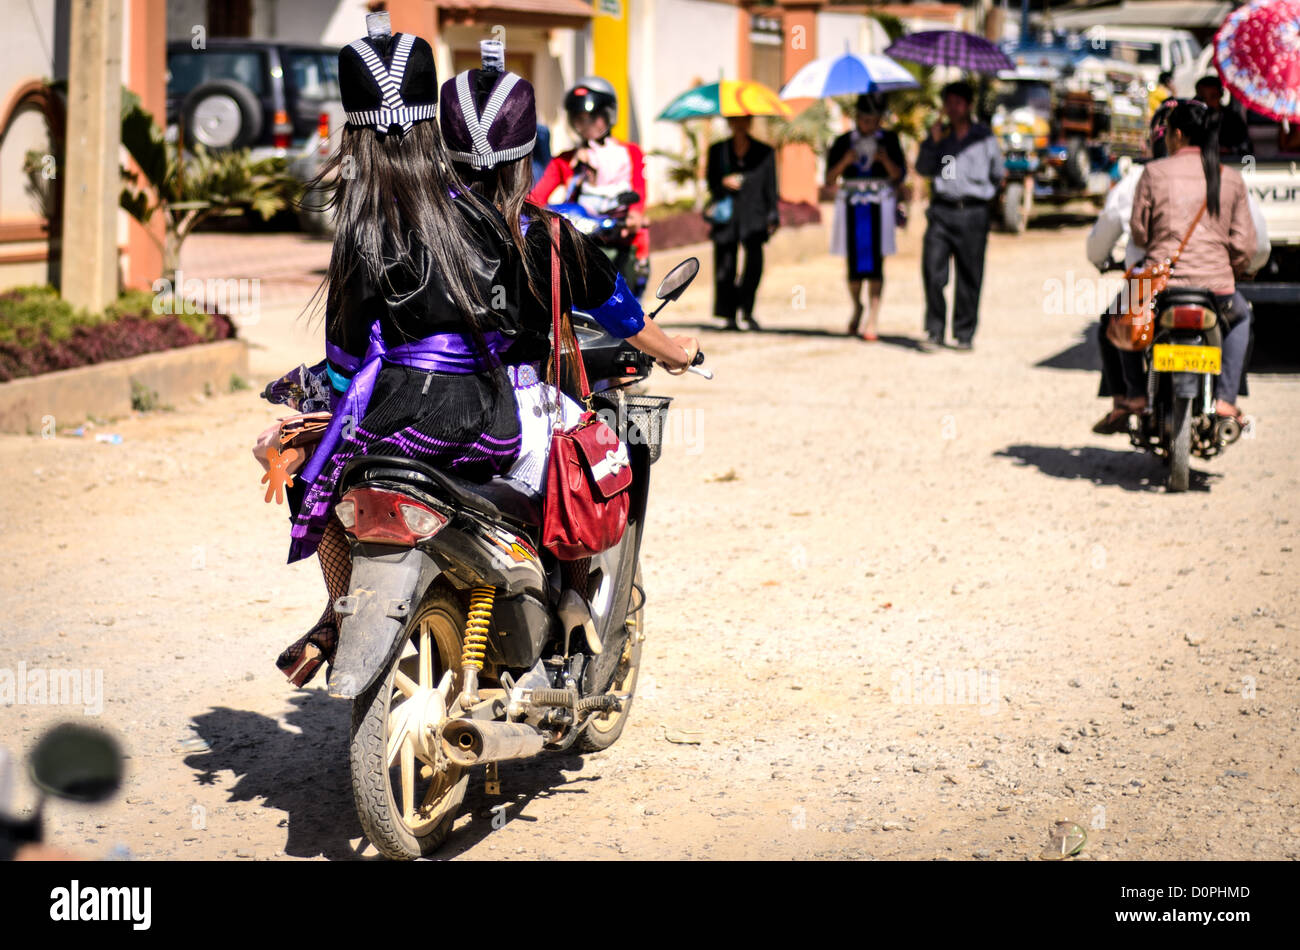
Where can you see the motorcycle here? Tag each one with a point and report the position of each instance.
(450, 646)
(1181, 364)
(604, 221)
(72, 762)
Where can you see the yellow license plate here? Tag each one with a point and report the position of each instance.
(1169, 358)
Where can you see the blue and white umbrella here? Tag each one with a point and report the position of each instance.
(847, 75)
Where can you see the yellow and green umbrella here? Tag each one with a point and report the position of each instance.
(726, 97)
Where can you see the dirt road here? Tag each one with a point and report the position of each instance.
(900, 606)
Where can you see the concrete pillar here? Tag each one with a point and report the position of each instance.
(410, 16)
(91, 179)
(148, 80)
(798, 162)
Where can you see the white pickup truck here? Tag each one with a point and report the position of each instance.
(1274, 179)
(1272, 176)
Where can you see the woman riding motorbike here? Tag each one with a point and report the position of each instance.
(1170, 194)
(414, 346)
(1123, 374)
(488, 119)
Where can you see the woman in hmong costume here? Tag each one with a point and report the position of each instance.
(413, 347)
(489, 123)
(868, 161)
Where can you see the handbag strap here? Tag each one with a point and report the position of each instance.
(1138, 268)
(583, 387)
(1188, 236)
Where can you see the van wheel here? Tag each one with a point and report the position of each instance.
(221, 115)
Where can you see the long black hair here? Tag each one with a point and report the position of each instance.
(1199, 125)
(393, 198)
(507, 187)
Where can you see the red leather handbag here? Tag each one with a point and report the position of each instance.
(588, 472)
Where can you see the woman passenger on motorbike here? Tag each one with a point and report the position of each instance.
(1123, 375)
(489, 123)
(414, 347)
(1169, 195)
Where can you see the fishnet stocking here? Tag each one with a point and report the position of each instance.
(335, 566)
(576, 575)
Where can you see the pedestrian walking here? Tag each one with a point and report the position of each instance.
(743, 213)
(964, 163)
(868, 163)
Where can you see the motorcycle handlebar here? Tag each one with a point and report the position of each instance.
(696, 368)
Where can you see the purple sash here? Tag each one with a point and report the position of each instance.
(440, 352)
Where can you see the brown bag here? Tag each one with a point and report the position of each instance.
(1132, 324)
(289, 450)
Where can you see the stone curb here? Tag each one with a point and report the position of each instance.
(104, 390)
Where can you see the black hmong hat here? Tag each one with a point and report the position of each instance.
(387, 80)
(489, 116)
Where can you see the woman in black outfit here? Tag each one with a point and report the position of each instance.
(743, 170)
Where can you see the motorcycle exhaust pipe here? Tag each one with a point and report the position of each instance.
(476, 742)
(1227, 431)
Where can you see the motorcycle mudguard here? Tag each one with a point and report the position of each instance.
(1186, 385)
(386, 583)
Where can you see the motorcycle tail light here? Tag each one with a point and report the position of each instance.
(1187, 317)
(323, 131)
(388, 517)
(422, 521)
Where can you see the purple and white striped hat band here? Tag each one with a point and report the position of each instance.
(388, 96)
(505, 130)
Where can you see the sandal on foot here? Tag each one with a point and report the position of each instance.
(858, 311)
(1113, 422)
(302, 658)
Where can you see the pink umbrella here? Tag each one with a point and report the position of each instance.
(1257, 54)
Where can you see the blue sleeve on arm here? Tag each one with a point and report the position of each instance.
(621, 314)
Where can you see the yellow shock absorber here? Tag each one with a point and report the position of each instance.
(476, 638)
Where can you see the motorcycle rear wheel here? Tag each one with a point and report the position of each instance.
(405, 804)
(1180, 444)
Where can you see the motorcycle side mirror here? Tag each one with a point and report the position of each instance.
(675, 282)
(678, 279)
(77, 763)
(629, 198)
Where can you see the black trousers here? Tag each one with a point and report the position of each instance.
(728, 297)
(959, 234)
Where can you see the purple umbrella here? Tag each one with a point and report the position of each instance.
(951, 48)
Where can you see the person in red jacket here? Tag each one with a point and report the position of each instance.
(608, 168)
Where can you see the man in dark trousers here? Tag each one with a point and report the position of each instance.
(964, 163)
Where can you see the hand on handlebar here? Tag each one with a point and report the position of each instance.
(691, 348)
